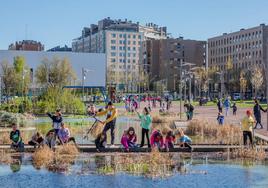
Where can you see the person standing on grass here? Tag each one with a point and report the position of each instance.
(234, 109)
(110, 121)
(257, 113)
(247, 126)
(219, 105)
(227, 105)
(56, 121)
(146, 121)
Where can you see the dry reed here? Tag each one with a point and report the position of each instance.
(96, 130)
(5, 157)
(214, 133)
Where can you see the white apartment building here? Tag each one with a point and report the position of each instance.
(122, 41)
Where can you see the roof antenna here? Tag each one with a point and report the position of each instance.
(26, 31)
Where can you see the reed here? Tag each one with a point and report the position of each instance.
(4, 138)
(97, 130)
(214, 133)
(255, 154)
(5, 157)
(42, 157)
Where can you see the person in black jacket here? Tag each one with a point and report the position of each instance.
(56, 120)
(257, 113)
(101, 141)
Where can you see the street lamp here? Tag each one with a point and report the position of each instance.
(222, 82)
(84, 72)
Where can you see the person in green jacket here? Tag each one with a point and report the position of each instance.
(146, 122)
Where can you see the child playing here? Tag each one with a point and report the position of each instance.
(101, 141)
(37, 140)
(50, 139)
(157, 140)
(91, 110)
(57, 120)
(65, 135)
(146, 122)
(169, 140)
(220, 118)
(184, 140)
(16, 139)
(234, 109)
(247, 126)
(129, 139)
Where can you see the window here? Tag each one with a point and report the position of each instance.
(128, 36)
(113, 60)
(128, 42)
(134, 36)
(113, 48)
(120, 35)
(113, 35)
(120, 48)
(128, 48)
(134, 42)
(134, 48)
(134, 54)
(139, 37)
(113, 54)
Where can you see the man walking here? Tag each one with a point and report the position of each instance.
(257, 113)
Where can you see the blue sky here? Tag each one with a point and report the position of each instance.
(57, 22)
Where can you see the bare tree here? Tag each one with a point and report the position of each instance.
(256, 79)
(243, 83)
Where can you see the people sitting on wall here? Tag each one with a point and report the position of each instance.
(37, 140)
(156, 139)
(16, 139)
(65, 135)
(129, 139)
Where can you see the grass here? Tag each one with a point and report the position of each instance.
(58, 161)
(212, 133)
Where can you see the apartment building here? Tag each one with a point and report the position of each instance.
(122, 41)
(27, 45)
(244, 49)
(164, 57)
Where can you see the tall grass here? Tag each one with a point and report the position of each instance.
(214, 133)
(60, 160)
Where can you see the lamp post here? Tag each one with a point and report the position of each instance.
(222, 82)
(84, 72)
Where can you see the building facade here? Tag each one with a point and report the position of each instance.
(164, 58)
(122, 41)
(27, 45)
(65, 48)
(241, 50)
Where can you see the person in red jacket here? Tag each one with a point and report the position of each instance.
(156, 139)
(129, 139)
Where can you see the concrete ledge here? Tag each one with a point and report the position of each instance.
(196, 148)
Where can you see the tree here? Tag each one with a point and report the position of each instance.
(256, 79)
(57, 72)
(16, 76)
(243, 83)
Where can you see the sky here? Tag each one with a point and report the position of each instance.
(57, 22)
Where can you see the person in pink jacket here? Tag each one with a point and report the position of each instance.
(169, 140)
(156, 139)
(129, 139)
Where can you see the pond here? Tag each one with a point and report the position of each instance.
(88, 171)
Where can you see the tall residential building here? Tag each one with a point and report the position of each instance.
(122, 41)
(27, 45)
(243, 49)
(164, 57)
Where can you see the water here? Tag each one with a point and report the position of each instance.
(79, 126)
(192, 173)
